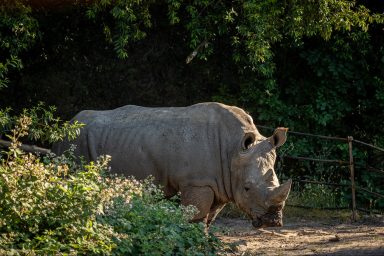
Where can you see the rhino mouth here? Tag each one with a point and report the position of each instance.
(270, 219)
(260, 223)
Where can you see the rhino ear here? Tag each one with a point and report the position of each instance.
(279, 137)
(248, 140)
(280, 193)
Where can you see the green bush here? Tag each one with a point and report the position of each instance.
(150, 225)
(54, 205)
(42, 124)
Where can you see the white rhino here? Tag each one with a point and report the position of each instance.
(210, 152)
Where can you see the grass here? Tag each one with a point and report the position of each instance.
(308, 195)
(296, 214)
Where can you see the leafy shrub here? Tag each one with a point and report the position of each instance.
(42, 125)
(56, 205)
(151, 225)
(45, 208)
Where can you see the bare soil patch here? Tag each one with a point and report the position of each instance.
(301, 236)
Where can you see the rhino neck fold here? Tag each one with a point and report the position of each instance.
(226, 156)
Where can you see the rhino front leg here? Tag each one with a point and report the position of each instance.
(200, 197)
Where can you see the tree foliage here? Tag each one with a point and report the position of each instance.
(313, 66)
(18, 32)
(252, 27)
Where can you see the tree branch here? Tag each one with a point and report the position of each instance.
(27, 148)
(196, 51)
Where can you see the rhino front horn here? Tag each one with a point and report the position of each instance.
(280, 193)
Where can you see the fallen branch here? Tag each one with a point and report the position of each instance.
(312, 232)
(27, 148)
(273, 233)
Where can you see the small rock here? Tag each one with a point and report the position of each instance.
(334, 239)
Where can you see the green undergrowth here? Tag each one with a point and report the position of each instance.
(54, 205)
(312, 203)
(295, 214)
(316, 202)
(317, 196)
(309, 201)
(232, 211)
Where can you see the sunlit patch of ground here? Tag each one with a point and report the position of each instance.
(305, 235)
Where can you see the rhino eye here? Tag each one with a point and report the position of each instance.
(246, 189)
(248, 140)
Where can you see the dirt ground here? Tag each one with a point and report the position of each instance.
(301, 236)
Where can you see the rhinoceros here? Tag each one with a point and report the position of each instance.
(212, 153)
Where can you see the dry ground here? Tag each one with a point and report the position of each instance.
(304, 235)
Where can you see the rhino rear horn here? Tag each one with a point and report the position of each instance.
(280, 193)
(279, 136)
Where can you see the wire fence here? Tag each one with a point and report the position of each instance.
(340, 162)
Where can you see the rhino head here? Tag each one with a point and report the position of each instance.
(255, 187)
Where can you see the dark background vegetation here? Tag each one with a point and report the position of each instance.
(312, 66)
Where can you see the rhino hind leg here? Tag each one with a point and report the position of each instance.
(200, 197)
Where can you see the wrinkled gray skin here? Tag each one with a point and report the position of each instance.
(210, 152)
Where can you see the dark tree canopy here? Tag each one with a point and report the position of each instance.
(312, 65)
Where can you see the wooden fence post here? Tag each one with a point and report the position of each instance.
(352, 173)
